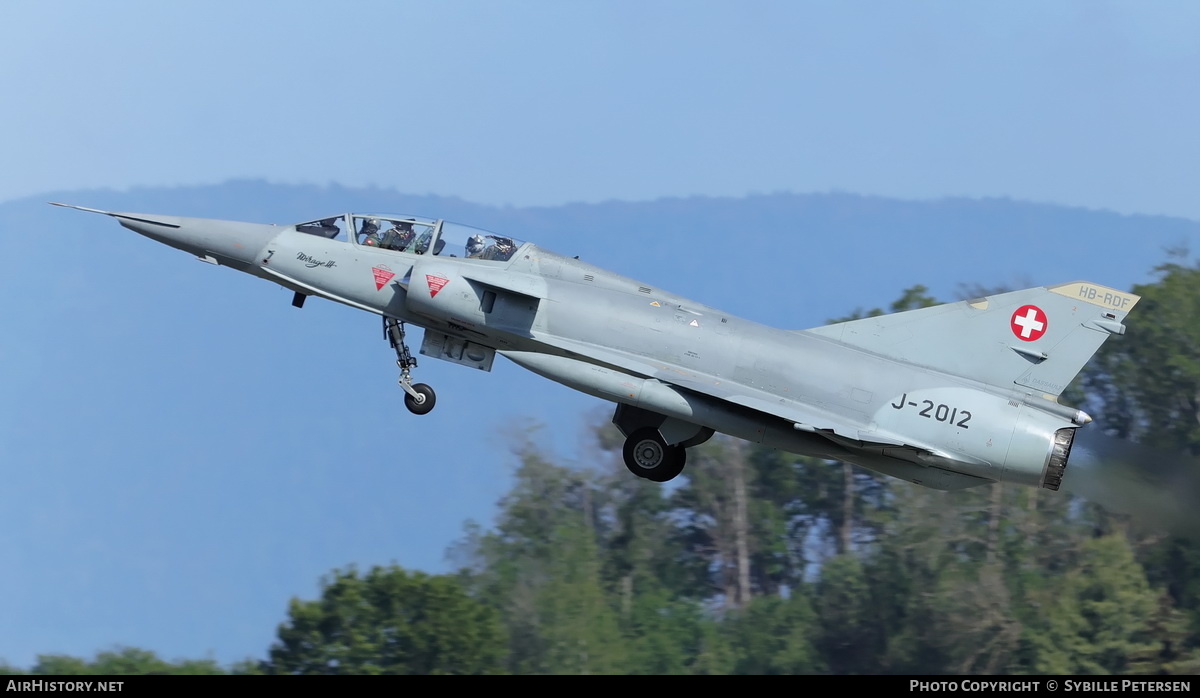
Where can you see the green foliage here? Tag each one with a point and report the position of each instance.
(849, 623)
(1174, 564)
(388, 621)
(667, 635)
(578, 626)
(125, 661)
(760, 562)
(1097, 619)
(1146, 387)
(541, 569)
(775, 635)
(1148, 384)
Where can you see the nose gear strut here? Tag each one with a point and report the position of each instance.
(419, 398)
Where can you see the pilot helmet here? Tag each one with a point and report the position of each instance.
(475, 244)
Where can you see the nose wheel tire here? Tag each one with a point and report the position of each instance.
(648, 456)
(422, 404)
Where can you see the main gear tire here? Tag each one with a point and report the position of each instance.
(648, 456)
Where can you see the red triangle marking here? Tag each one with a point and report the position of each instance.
(436, 283)
(382, 276)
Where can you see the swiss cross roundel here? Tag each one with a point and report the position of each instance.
(1029, 323)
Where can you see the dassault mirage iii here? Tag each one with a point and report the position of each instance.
(950, 396)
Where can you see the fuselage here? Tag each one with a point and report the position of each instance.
(547, 305)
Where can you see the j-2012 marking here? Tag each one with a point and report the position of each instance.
(939, 411)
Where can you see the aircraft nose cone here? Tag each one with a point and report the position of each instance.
(229, 242)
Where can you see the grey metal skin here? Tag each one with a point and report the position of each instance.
(951, 396)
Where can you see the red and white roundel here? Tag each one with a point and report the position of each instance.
(1029, 323)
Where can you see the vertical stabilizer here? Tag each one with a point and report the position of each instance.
(1039, 338)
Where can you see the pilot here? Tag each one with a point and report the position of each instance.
(370, 232)
(502, 249)
(399, 236)
(475, 245)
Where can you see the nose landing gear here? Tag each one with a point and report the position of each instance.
(419, 398)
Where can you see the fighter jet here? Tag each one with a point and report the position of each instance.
(951, 396)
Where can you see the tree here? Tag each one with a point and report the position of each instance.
(578, 625)
(389, 621)
(122, 661)
(541, 568)
(1148, 385)
(850, 638)
(1146, 388)
(714, 505)
(949, 577)
(1099, 617)
(657, 585)
(775, 635)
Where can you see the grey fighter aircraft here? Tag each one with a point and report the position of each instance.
(950, 396)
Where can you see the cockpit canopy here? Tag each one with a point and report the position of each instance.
(414, 236)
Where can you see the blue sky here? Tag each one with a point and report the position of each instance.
(1085, 103)
(118, 533)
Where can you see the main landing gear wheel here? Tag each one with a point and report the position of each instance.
(424, 401)
(647, 455)
(418, 398)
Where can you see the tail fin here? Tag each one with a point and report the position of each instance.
(1039, 338)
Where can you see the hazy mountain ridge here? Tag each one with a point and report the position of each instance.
(727, 251)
